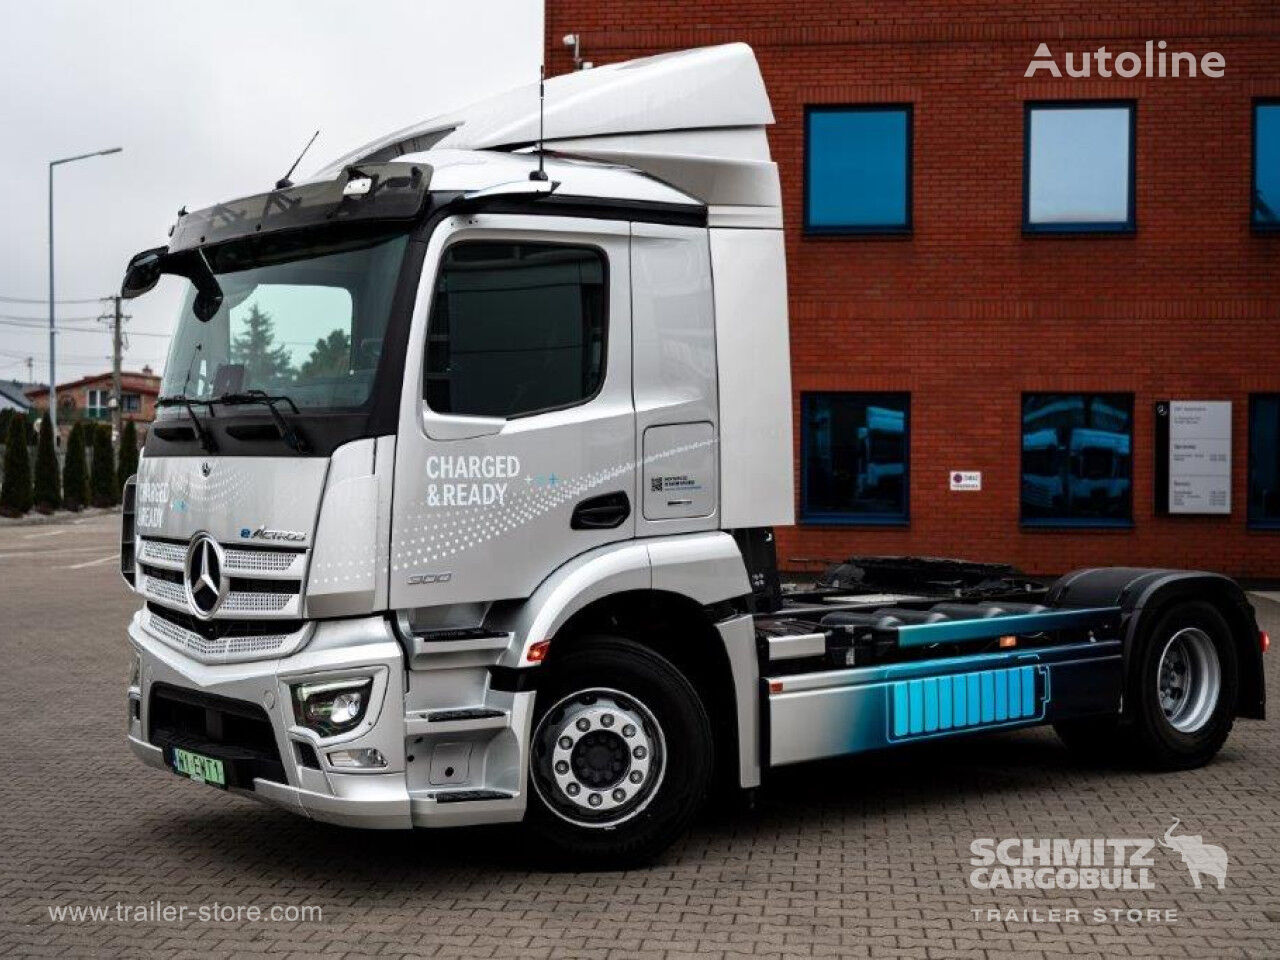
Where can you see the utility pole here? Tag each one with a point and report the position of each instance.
(117, 350)
(31, 369)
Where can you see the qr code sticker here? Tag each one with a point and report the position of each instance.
(655, 484)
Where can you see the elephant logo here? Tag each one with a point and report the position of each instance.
(1200, 857)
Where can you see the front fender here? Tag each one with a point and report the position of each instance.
(704, 567)
(1144, 593)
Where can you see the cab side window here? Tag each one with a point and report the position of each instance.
(516, 328)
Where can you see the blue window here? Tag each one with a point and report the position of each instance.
(854, 455)
(1078, 167)
(1077, 459)
(1266, 165)
(1264, 460)
(858, 169)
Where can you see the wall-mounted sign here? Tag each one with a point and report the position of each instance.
(1193, 457)
(966, 479)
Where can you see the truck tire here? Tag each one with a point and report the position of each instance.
(1180, 700)
(621, 755)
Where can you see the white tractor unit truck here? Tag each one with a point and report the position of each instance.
(459, 507)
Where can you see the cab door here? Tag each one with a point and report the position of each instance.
(516, 449)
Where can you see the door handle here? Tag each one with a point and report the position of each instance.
(605, 512)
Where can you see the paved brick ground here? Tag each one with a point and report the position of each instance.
(849, 859)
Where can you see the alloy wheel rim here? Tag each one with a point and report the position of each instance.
(600, 756)
(1189, 679)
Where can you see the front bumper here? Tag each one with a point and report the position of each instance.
(411, 790)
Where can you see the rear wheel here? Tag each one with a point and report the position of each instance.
(1181, 696)
(621, 755)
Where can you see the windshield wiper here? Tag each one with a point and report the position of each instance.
(288, 432)
(206, 438)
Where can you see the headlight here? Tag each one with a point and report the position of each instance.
(332, 706)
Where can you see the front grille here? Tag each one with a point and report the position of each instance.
(223, 641)
(164, 590)
(255, 602)
(261, 561)
(236, 732)
(266, 593)
(162, 551)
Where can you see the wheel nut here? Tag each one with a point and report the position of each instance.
(606, 720)
(636, 776)
(573, 789)
(639, 753)
(583, 723)
(595, 799)
(628, 731)
(562, 767)
(566, 743)
(619, 795)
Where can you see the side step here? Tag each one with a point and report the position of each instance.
(458, 720)
(468, 796)
(466, 646)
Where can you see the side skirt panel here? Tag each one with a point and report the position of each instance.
(839, 712)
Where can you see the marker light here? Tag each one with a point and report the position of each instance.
(1008, 641)
(538, 651)
(1264, 640)
(333, 706)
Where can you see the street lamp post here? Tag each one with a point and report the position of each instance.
(53, 373)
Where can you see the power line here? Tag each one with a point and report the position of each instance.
(68, 329)
(44, 321)
(45, 300)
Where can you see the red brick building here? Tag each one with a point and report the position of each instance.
(89, 399)
(987, 317)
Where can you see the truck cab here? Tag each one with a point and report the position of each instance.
(460, 506)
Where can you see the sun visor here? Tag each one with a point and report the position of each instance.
(360, 193)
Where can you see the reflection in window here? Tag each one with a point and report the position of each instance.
(1266, 165)
(1079, 174)
(515, 328)
(1264, 460)
(1077, 458)
(854, 457)
(858, 169)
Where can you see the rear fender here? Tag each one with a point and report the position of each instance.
(1144, 594)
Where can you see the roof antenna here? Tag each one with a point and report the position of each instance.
(541, 173)
(284, 182)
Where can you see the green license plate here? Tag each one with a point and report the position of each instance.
(198, 768)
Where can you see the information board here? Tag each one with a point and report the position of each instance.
(1193, 450)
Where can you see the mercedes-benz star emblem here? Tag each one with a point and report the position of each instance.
(206, 586)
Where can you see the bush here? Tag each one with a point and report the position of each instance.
(75, 474)
(15, 493)
(127, 465)
(105, 491)
(48, 495)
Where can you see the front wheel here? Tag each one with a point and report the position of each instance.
(621, 755)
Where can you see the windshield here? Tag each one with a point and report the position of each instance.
(301, 319)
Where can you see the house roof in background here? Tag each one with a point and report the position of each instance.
(134, 382)
(13, 393)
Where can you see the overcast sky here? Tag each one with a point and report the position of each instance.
(210, 101)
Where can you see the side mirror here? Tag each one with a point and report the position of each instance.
(142, 273)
